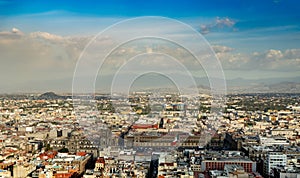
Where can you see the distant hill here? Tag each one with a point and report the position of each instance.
(50, 96)
(152, 82)
(280, 87)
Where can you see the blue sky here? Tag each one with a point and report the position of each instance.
(253, 19)
(253, 39)
(170, 8)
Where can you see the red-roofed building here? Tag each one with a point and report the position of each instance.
(81, 153)
(48, 155)
(100, 164)
(63, 175)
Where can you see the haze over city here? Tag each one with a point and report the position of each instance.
(257, 42)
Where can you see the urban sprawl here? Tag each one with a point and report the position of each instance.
(164, 135)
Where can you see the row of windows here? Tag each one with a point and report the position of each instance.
(220, 165)
(277, 160)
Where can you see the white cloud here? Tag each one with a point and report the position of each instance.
(221, 22)
(275, 60)
(221, 49)
(15, 30)
(274, 54)
(13, 33)
(204, 29)
(46, 36)
(217, 24)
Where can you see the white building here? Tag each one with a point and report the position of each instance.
(274, 140)
(273, 160)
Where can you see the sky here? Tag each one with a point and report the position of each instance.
(41, 41)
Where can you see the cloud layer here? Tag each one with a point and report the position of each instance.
(42, 56)
(38, 56)
(273, 60)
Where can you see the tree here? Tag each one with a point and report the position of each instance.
(48, 147)
(64, 150)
